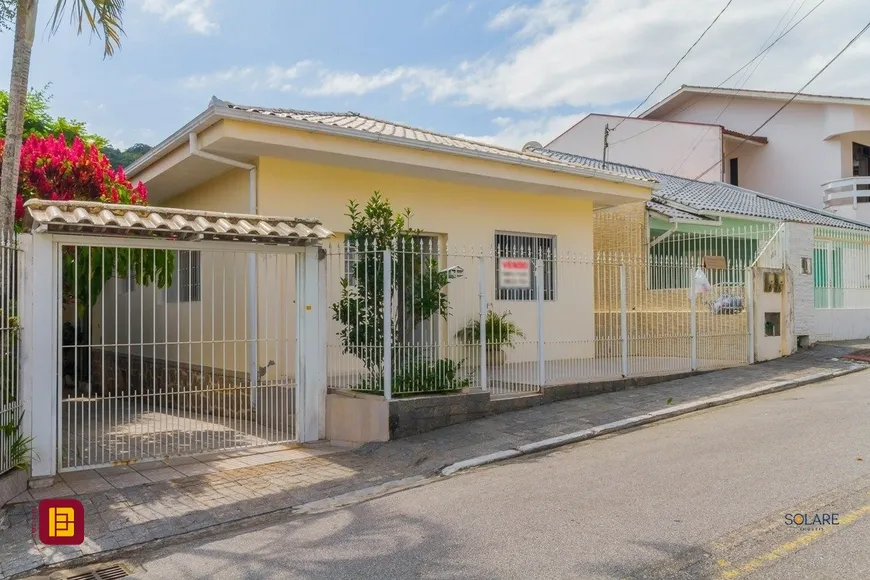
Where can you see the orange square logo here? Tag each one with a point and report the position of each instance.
(61, 522)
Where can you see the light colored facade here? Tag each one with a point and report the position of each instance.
(462, 194)
(693, 150)
(814, 141)
(815, 152)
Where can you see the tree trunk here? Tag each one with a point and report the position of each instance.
(25, 29)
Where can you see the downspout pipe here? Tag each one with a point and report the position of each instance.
(253, 360)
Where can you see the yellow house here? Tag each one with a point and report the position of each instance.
(463, 194)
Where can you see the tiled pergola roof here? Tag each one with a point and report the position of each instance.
(81, 217)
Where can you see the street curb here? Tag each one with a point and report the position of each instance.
(645, 419)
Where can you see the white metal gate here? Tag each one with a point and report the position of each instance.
(151, 369)
(11, 407)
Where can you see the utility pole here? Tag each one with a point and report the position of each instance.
(606, 144)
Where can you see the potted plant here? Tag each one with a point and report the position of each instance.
(501, 333)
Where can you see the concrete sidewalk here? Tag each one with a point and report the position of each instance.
(128, 516)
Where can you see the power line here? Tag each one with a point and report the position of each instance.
(786, 104)
(735, 73)
(740, 84)
(682, 58)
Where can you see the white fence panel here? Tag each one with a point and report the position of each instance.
(521, 316)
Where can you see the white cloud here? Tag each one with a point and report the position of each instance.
(355, 84)
(277, 77)
(516, 133)
(233, 75)
(195, 13)
(272, 77)
(438, 12)
(529, 20)
(602, 52)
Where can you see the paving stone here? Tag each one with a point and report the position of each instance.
(126, 480)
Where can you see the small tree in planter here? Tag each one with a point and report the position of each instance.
(416, 289)
(501, 333)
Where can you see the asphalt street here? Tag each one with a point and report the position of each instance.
(701, 496)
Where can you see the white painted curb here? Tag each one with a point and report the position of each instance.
(646, 418)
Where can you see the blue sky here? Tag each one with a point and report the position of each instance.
(497, 70)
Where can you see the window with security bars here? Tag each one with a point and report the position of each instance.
(186, 279)
(534, 247)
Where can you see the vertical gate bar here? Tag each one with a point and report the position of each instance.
(86, 404)
(750, 313)
(293, 385)
(388, 326)
(127, 403)
(265, 418)
(154, 396)
(623, 319)
(227, 392)
(539, 292)
(829, 274)
(75, 378)
(693, 323)
(481, 268)
(102, 429)
(215, 439)
(173, 400)
(253, 326)
(237, 410)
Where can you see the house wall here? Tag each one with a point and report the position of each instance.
(799, 245)
(797, 159)
(463, 217)
(690, 149)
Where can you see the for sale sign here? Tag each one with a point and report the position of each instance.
(515, 273)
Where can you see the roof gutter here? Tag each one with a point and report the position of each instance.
(253, 315)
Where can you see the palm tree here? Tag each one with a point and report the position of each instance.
(102, 17)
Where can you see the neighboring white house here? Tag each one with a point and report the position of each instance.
(683, 149)
(815, 152)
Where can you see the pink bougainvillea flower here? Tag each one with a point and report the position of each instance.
(53, 169)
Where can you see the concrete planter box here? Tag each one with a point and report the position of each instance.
(356, 418)
(12, 484)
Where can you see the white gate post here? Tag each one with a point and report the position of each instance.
(623, 319)
(539, 293)
(40, 345)
(310, 339)
(388, 325)
(693, 324)
(750, 313)
(483, 308)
